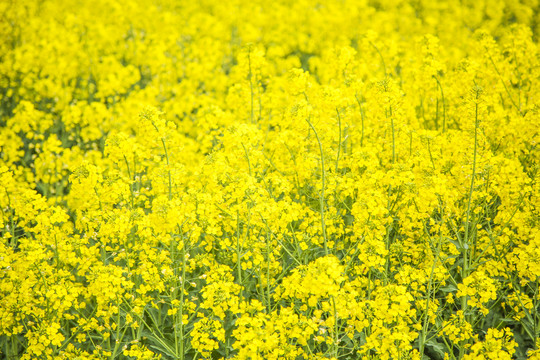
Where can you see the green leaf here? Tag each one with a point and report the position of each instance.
(435, 349)
(449, 288)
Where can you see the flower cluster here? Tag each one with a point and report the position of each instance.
(337, 179)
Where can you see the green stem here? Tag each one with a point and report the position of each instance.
(180, 324)
(168, 167)
(250, 75)
(339, 140)
(393, 136)
(471, 189)
(336, 338)
(465, 245)
(268, 298)
(247, 157)
(428, 297)
(321, 200)
(362, 116)
(443, 103)
(430, 155)
(238, 252)
(130, 183)
(382, 58)
(505, 87)
(168, 163)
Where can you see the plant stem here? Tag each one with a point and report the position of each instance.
(465, 245)
(362, 116)
(389, 114)
(168, 167)
(321, 200)
(250, 75)
(339, 140)
(443, 103)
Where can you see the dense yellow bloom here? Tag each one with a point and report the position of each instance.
(268, 180)
(498, 344)
(479, 290)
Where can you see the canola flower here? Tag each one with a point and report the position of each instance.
(269, 180)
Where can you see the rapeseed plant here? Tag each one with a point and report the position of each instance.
(199, 180)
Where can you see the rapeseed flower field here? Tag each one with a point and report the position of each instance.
(331, 179)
